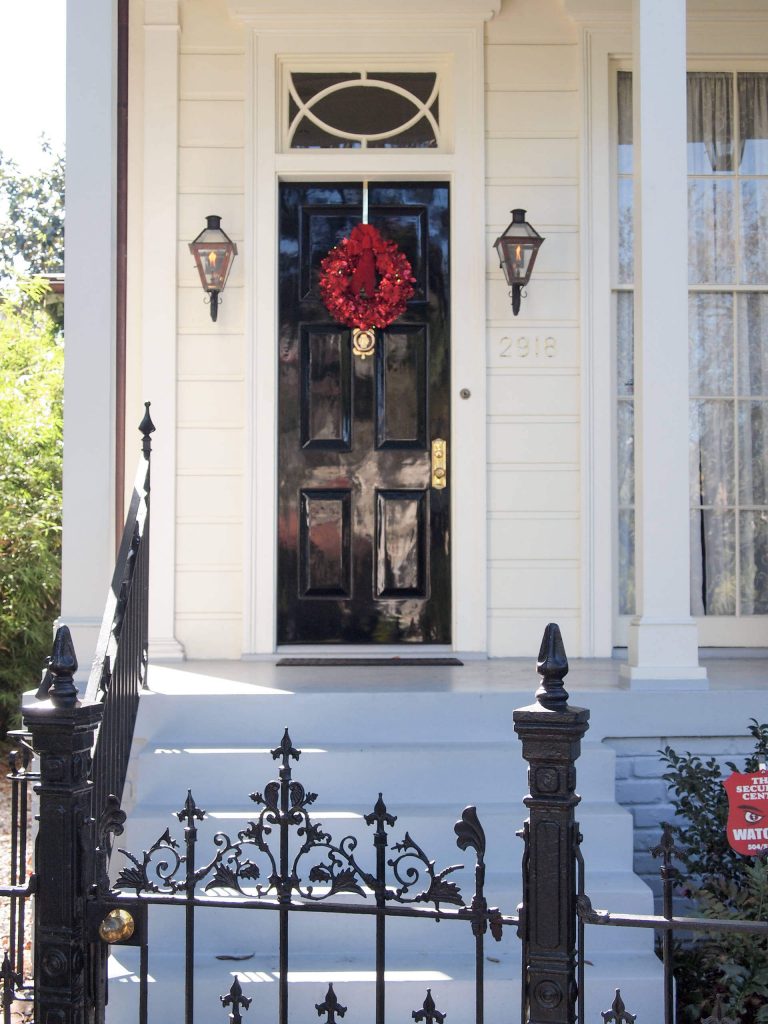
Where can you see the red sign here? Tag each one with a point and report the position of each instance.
(747, 811)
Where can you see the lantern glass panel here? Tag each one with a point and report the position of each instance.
(213, 263)
(516, 257)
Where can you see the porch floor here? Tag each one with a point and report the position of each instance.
(736, 690)
(476, 675)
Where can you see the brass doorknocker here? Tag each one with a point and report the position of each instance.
(363, 342)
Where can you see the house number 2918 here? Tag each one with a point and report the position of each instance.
(525, 347)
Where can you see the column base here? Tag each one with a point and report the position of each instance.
(663, 654)
(166, 648)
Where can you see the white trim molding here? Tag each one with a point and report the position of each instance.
(596, 12)
(340, 16)
(159, 319)
(282, 32)
(88, 539)
(600, 45)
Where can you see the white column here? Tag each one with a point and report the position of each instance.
(160, 232)
(663, 640)
(88, 539)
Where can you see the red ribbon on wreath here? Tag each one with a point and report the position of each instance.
(365, 281)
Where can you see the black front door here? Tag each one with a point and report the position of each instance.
(363, 536)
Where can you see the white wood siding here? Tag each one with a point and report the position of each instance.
(211, 357)
(533, 361)
(532, 150)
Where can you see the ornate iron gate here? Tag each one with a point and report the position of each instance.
(283, 862)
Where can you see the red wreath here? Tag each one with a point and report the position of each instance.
(348, 280)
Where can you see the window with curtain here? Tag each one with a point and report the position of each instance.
(728, 342)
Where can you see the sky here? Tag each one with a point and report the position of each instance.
(32, 91)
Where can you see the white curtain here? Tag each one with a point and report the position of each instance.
(729, 412)
(753, 122)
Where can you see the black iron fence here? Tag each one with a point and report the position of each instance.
(119, 668)
(284, 863)
(115, 682)
(15, 973)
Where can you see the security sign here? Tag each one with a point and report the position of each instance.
(748, 811)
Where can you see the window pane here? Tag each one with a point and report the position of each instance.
(624, 96)
(626, 239)
(626, 562)
(753, 453)
(625, 326)
(346, 110)
(418, 83)
(711, 248)
(626, 444)
(420, 135)
(753, 121)
(754, 231)
(710, 122)
(753, 344)
(710, 326)
(364, 110)
(309, 83)
(753, 528)
(713, 562)
(309, 136)
(712, 453)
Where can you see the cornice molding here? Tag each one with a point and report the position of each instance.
(341, 15)
(612, 12)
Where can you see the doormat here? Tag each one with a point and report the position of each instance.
(360, 662)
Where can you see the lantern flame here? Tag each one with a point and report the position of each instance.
(212, 257)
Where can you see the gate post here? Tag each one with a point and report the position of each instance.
(551, 732)
(62, 736)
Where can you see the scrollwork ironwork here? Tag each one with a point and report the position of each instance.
(589, 914)
(260, 863)
(410, 874)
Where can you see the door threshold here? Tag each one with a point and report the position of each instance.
(352, 661)
(365, 651)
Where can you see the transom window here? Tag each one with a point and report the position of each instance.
(728, 342)
(362, 109)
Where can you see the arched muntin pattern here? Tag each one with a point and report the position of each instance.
(305, 109)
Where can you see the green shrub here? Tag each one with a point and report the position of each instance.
(730, 967)
(31, 389)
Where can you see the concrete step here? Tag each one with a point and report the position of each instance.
(404, 712)
(431, 753)
(450, 980)
(462, 772)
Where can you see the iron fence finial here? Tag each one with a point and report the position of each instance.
(618, 1013)
(552, 668)
(428, 1013)
(330, 1006)
(286, 750)
(146, 428)
(235, 999)
(63, 692)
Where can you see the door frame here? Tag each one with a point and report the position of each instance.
(458, 45)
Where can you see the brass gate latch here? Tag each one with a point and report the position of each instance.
(439, 463)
